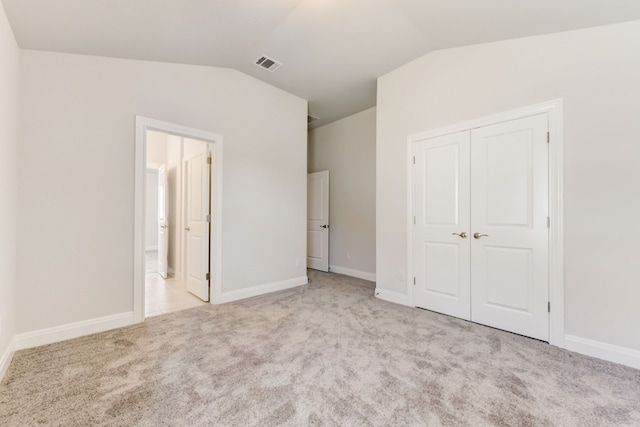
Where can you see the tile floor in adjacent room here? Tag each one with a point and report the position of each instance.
(164, 295)
(167, 295)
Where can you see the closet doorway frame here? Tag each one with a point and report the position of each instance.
(554, 110)
(144, 124)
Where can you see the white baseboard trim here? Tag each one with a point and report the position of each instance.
(394, 297)
(612, 353)
(5, 361)
(353, 273)
(151, 248)
(266, 288)
(72, 330)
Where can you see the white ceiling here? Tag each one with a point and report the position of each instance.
(332, 50)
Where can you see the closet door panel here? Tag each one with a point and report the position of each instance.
(509, 209)
(440, 233)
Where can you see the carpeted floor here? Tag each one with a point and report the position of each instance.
(328, 353)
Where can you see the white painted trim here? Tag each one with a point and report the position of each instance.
(5, 361)
(144, 124)
(72, 330)
(353, 273)
(556, 231)
(612, 353)
(554, 110)
(410, 214)
(266, 288)
(151, 248)
(393, 297)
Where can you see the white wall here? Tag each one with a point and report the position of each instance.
(76, 176)
(596, 72)
(151, 225)
(347, 149)
(156, 149)
(156, 157)
(9, 85)
(174, 204)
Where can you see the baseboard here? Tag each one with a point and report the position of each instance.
(394, 297)
(72, 330)
(266, 288)
(612, 353)
(5, 361)
(151, 248)
(353, 273)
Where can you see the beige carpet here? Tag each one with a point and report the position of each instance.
(324, 354)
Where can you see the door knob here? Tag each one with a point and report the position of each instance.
(324, 226)
(478, 235)
(463, 234)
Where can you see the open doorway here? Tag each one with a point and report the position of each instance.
(177, 244)
(177, 184)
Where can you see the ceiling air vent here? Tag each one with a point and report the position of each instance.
(268, 63)
(311, 118)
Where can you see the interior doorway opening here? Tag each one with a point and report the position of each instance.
(177, 225)
(169, 198)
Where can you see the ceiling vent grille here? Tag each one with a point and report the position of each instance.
(268, 63)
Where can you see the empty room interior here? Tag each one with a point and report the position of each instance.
(319, 212)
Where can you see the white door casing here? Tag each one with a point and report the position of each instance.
(441, 232)
(163, 222)
(216, 144)
(197, 224)
(509, 202)
(318, 220)
(507, 263)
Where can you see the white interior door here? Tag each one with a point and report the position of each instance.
(509, 202)
(491, 184)
(163, 223)
(441, 232)
(197, 221)
(318, 220)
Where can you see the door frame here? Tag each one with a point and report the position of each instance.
(554, 110)
(144, 124)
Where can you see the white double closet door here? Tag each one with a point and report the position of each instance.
(480, 238)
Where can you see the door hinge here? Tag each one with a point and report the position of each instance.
(414, 160)
(414, 220)
(548, 137)
(208, 160)
(208, 217)
(207, 276)
(414, 280)
(548, 306)
(548, 222)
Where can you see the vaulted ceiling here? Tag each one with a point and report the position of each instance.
(332, 50)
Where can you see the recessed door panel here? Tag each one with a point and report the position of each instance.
(441, 269)
(509, 281)
(441, 177)
(314, 244)
(508, 178)
(315, 208)
(195, 262)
